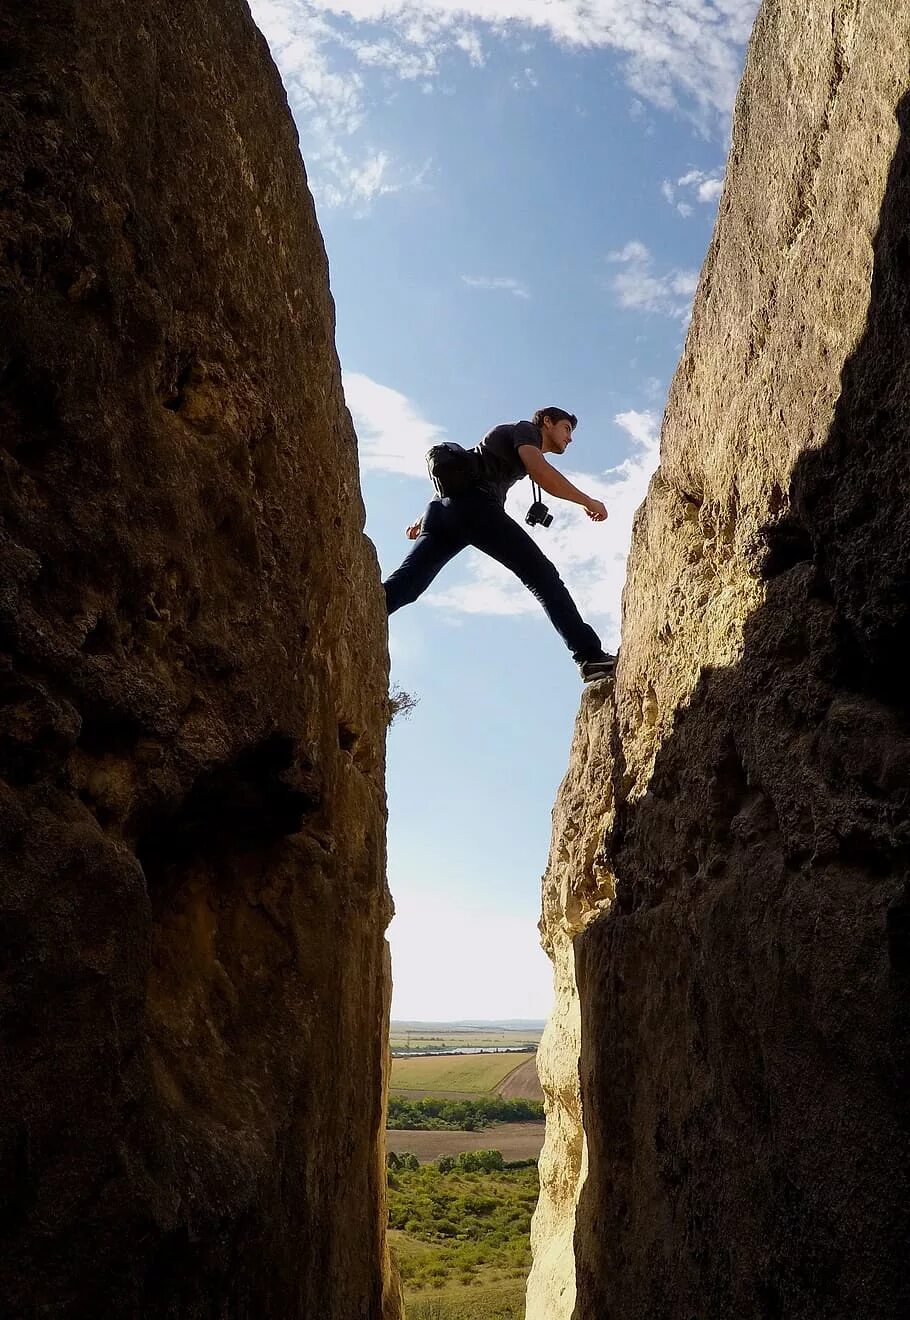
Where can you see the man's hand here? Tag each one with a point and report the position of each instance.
(554, 483)
(413, 531)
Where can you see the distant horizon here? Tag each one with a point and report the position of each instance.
(516, 1024)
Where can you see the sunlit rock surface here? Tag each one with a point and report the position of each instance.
(743, 998)
(194, 978)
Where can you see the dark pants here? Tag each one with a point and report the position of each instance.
(478, 520)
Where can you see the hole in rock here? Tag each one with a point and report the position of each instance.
(348, 738)
(108, 731)
(176, 396)
(786, 544)
(261, 795)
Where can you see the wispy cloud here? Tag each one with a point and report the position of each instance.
(407, 62)
(639, 287)
(525, 80)
(679, 54)
(591, 557)
(498, 282)
(393, 436)
(469, 42)
(695, 186)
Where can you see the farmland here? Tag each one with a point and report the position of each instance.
(422, 1036)
(460, 1232)
(454, 1075)
(522, 1083)
(517, 1141)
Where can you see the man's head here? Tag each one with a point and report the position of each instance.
(556, 427)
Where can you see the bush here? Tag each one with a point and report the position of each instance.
(405, 1162)
(480, 1161)
(469, 1223)
(400, 703)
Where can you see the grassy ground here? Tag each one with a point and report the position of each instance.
(462, 1240)
(461, 1074)
(500, 1302)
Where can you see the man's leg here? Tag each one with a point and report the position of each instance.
(441, 538)
(500, 537)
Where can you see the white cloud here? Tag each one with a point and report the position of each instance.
(298, 37)
(678, 51)
(358, 183)
(527, 78)
(393, 436)
(329, 103)
(387, 53)
(684, 54)
(470, 43)
(498, 282)
(591, 557)
(704, 188)
(639, 288)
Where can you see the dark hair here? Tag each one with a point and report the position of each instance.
(555, 415)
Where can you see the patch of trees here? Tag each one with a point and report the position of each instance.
(432, 1114)
(469, 1161)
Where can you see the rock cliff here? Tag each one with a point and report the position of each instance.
(727, 881)
(193, 975)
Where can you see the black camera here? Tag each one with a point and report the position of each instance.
(538, 515)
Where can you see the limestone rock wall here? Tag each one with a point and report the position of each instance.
(193, 976)
(730, 845)
(575, 887)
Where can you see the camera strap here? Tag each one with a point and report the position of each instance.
(535, 491)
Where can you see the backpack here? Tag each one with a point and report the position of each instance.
(453, 470)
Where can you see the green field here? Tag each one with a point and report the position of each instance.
(461, 1240)
(455, 1074)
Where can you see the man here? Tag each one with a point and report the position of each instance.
(478, 518)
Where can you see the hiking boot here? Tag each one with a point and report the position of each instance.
(603, 667)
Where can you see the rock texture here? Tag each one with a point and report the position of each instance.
(576, 886)
(193, 976)
(732, 842)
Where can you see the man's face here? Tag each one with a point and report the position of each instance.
(558, 434)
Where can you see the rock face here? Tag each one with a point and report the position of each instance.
(194, 984)
(730, 846)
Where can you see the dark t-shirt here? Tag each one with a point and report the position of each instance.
(500, 461)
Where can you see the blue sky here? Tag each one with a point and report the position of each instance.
(516, 197)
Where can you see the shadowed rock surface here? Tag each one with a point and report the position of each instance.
(732, 841)
(193, 975)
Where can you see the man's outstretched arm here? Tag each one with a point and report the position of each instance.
(554, 483)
